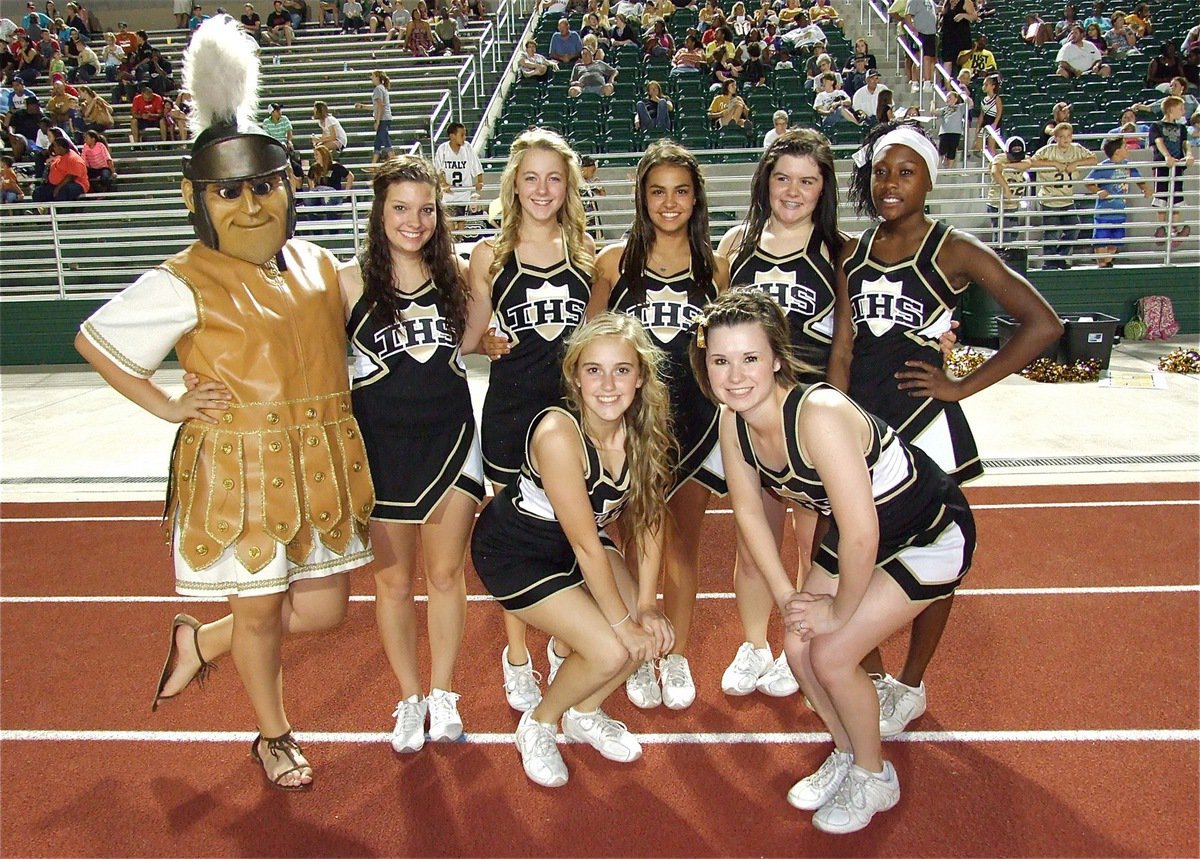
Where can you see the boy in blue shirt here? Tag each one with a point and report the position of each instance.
(1109, 181)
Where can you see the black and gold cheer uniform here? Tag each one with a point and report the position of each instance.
(410, 395)
(899, 311)
(926, 530)
(519, 548)
(802, 284)
(668, 310)
(537, 309)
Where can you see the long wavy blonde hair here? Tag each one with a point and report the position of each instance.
(571, 215)
(649, 441)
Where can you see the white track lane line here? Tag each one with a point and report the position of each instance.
(716, 595)
(1119, 735)
(1048, 505)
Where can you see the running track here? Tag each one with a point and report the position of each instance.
(1064, 715)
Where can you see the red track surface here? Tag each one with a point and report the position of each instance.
(1046, 662)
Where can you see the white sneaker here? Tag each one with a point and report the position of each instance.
(898, 704)
(778, 681)
(642, 687)
(857, 800)
(556, 661)
(520, 684)
(409, 733)
(540, 757)
(748, 665)
(444, 722)
(678, 690)
(913, 86)
(813, 791)
(603, 733)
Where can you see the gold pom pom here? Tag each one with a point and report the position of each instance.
(964, 362)
(1181, 360)
(1045, 370)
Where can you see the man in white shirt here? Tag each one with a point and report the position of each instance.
(866, 98)
(462, 174)
(1078, 57)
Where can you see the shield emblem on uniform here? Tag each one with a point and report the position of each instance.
(421, 331)
(885, 289)
(549, 320)
(667, 312)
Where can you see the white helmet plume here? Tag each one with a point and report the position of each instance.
(220, 70)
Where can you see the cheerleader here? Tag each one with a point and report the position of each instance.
(663, 274)
(601, 453)
(902, 536)
(405, 300)
(535, 277)
(897, 287)
(786, 249)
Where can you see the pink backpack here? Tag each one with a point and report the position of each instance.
(1159, 315)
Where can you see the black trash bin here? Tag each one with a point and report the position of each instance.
(1089, 335)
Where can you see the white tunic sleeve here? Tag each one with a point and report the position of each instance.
(138, 328)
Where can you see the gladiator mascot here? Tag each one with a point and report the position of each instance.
(269, 493)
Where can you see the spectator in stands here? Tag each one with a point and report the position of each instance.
(754, 70)
(61, 105)
(779, 125)
(1139, 20)
(653, 113)
(855, 78)
(379, 13)
(1191, 40)
(332, 135)
(149, 112)
(1133, 130)
(1060, 113)
(823, 14)
(197, 18)
(531, 64)
(1121, 40)
(397, 23)
(380, 106)
(1056, 165)
(87, 65)
(328, 12)
(298, 11)
(1068, 22)
(865, 102)
(182, 9)
(1168, 143)
(279, 25)
(1078, 57)
(739, 22)
(727, 106)
(658, 42)
(157, 71)
(1102, 21)
(68, 176)
(593, 27)
(10, 184)
(789, 15)
(991, 110)
(591, 43)
(592, 76)
(177, 116)
(29, 61)
(952, 125)
(690, 58)
(922, 18)
(566, 46)
(832, 104)
(804, 35)
(817, 67)
(1092, 33)
(252, 22)
(721, 46)
(1109, 181)
(1178, 88)
(590, 191)
(97, 114)
(34, 21)
(278, 125)
(128, 40)
(330, 175)
(978, 58)
(863, 49)
(22, 128)
(111, 57)
(1165, 66)
(419, 41)
(100, 168)
(1036, 32)
(621, 33)
(462, 173)
(885, 108)
(1191, 65)
(352, 17)
(446, 32)
(1009, 189)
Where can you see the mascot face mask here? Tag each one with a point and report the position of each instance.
(235, 180)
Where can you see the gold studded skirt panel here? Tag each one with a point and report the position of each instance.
(273, 493)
